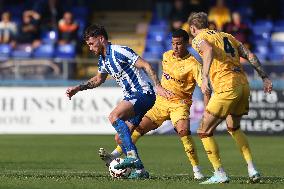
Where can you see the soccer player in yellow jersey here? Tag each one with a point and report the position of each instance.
(222, 70)
(181, 72)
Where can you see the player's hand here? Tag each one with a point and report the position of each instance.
(205, 86)
(164, 92)
(71, 91)
(267, 85)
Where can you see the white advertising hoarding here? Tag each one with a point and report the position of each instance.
(47, 110)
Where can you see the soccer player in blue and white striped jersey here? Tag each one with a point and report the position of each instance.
(132, 73)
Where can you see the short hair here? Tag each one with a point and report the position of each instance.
(198, 19)
(94, 31)
(181, 33)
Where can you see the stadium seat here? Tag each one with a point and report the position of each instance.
(262, 49)
(157, 35)
(22, 52)
(49, 37)
(154, 48)
(152, 56)
(80, 12)
(277, 47)
(44, 51)
(66, 51)
(82, 26)
(275, 57)
(5, 51)
(262, 28)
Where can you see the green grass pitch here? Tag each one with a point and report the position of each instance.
(70, 161)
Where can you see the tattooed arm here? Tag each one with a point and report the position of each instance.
(253, 60)
(140, 63)
(90, 84)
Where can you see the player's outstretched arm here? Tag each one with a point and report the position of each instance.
(207, 57)
(140, 63)
(90, 84)
(253, 60)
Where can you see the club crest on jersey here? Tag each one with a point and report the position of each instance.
(167, 76)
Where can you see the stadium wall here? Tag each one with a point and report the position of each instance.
(46, 110)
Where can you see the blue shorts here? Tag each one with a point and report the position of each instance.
(141, 103)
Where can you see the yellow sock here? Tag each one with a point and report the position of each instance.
(189, 148)
(242, 142)
(212, 151)
(135, 136)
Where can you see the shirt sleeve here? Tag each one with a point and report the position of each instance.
(126, 55)
(197, 73)
(234, 41)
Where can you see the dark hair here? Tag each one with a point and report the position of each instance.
(181, 33)
(94, 31)
(198, 19)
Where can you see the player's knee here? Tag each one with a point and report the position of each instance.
(233, 128)
(183, 132)
(205, 134)
(204, 131)
(117, 139)
(140, 130)
(113, 117)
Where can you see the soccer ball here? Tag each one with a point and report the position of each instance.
(118, 173)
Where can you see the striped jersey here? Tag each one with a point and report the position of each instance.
(119, 63)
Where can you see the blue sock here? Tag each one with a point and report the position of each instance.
(125, 137)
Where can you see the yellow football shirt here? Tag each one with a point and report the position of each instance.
(226, 71)
(180, 75)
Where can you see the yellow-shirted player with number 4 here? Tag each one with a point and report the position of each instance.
(222, 70)
(181, 72)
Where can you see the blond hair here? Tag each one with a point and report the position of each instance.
(198, 19)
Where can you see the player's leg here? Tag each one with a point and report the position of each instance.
(233, 125)
(216, 111)
(138, 105)
(182, 129)
(152, 120)
(108, 157)
(117, 117)
(179, 114)
(145, 126)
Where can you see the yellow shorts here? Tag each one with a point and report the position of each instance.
(232, 102)
(164, 109)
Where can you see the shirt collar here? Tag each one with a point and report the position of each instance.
(108, 48)
(183, 58)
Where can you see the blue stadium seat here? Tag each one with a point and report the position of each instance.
(154, 46)
(275, 57)
(149, 56)
(262, 28)
(262, 49)
(157, 35)
(44, 51)
(66, 51)
(49, 37)
(22, 52)
(5, 51)
(82, 26)
(80, 12)
(277, 47)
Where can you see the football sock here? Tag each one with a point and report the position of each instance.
(118, 150)
(212, 151)
(189, 148)
(125, 137)
(242, 142)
